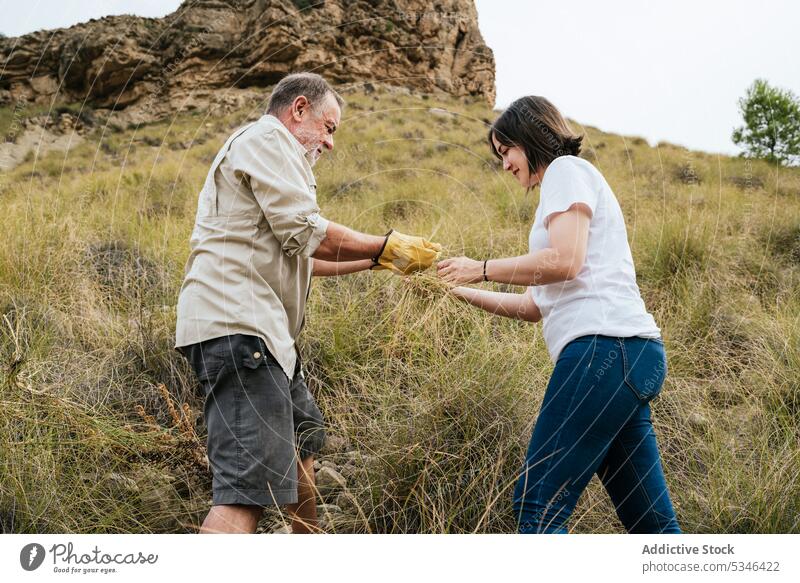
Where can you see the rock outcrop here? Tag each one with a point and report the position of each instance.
(211, 46)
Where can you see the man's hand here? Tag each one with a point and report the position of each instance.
(406, 254)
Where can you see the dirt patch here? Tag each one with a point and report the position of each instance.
(38, 140)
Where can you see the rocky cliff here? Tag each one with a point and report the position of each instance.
(208, 47)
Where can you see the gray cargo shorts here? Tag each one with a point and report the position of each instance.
(258, 421)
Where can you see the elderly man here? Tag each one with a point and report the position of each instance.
(242, 303)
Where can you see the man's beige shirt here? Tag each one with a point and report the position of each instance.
(257, 225)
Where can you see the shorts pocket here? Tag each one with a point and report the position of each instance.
(250, 352)
(207, 360)
(645, 366)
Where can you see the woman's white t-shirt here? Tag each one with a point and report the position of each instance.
(603, 298)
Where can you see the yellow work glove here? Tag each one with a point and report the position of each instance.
(406, 254)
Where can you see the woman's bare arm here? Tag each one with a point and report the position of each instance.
(520, 306)
(562, 261)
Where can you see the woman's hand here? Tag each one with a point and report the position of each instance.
(460, 270)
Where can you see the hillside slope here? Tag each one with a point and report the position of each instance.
(429, 403)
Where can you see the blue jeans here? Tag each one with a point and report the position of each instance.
(595, 418)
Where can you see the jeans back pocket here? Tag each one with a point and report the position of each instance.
(645, 366)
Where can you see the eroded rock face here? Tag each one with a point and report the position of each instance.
(218, 45)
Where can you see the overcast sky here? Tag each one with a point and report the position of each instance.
(670, 70)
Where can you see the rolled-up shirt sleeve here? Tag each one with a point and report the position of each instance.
(274, 170)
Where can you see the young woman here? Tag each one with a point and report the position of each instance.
(608, 353)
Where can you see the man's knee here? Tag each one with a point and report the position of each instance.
(231, 518)
(240, 509)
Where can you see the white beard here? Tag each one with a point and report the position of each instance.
(312, 148)
(312, 155)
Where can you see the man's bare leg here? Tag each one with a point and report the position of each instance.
(304, 513)
(232, 518)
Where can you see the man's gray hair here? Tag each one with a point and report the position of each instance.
(311, 85)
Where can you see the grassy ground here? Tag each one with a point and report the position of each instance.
(100, 425)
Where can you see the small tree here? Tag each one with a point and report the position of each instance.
(771, 123)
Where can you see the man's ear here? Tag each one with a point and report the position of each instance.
(300, 107)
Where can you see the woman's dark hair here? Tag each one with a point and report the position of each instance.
(535, 125)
